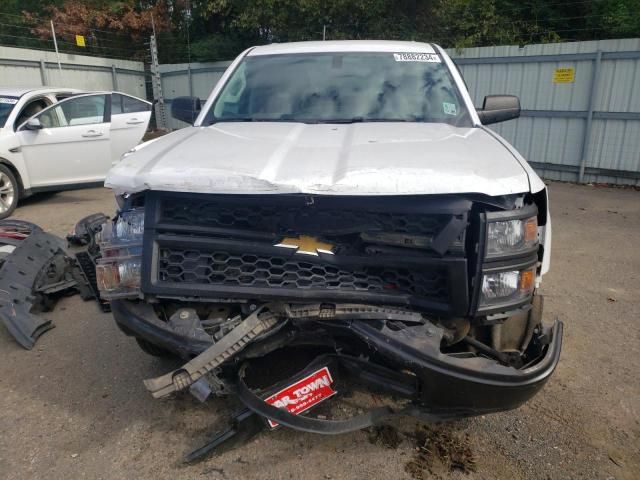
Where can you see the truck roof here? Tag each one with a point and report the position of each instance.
(343, 46)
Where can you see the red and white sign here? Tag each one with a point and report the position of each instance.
(303, 394)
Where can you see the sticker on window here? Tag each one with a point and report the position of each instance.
(449, 108)
(417, 57)
(10, 101)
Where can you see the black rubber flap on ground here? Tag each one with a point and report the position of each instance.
(19, 274)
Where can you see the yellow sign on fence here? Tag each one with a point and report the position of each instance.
(564, 75)
(80, 40)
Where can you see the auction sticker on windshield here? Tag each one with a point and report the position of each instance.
(449, 108)
(417, 57)
(10, 101)
(304, 394)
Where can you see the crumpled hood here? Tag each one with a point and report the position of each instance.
(329, 159)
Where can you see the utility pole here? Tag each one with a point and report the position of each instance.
(159, 105)
(55, 44)
(160, 108)
(324, 32)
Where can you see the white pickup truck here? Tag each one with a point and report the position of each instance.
(341, 204)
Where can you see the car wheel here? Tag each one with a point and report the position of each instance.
(8, 192)
(151, 349)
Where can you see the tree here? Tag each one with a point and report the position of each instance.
(108, 27)
(220, 29)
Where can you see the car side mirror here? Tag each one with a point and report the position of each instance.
(499, 108)
(185, 109)
(32, 124)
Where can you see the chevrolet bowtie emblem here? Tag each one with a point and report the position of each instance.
(306, 245)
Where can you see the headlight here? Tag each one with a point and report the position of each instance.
(118, 271)
(507, 287)
(509, 237)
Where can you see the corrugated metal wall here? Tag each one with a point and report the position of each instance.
(20, 67)
(553, 132)
(589, 126)
(184, 80)
(591, 123)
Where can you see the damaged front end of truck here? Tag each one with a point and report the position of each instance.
(429, 298)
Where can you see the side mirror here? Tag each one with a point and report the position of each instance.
(499, 108)
(32, 124)
(185, 109)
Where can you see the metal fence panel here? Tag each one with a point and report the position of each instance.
(567, 127)
(20, 67)
(190, 80)
(588, 128)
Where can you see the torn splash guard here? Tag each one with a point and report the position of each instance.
(27, 275)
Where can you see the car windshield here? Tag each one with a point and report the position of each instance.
(341, 88)
(6, 105)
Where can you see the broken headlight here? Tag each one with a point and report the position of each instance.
(511, 236)
(507, 287)
(118, 271)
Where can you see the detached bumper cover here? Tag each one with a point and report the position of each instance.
(446, 384)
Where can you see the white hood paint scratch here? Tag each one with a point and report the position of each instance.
(329, 159)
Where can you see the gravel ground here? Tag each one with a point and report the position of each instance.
(75, 406)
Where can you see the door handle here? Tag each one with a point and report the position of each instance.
(92, 133)
(135, 121)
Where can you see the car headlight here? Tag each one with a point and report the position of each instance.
(118, 271)
(512, 236)
(507, 287)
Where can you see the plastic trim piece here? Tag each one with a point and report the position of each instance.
(20, 275)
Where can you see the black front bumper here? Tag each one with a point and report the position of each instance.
(444, 384)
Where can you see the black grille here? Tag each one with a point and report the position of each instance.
(276, 219)
(197, 266)
(224, 247)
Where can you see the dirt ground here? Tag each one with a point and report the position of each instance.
(75, 406)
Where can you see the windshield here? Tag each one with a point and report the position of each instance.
(341, 88)
(6, 105)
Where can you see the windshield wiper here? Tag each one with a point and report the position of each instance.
(367, 120)
(254, 119)
(287, 118)
(342, 120)
(233, 119)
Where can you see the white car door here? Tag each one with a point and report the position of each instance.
(129, 120)
(72, 143)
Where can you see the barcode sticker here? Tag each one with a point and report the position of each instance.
(417, 57)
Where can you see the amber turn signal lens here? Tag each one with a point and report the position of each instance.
(531, 230)
(527, 279)
(107, 277)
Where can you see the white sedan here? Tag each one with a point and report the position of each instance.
(60, 139)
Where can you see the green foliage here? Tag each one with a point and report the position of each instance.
(220, 29)
(620, 18)
(216, 47)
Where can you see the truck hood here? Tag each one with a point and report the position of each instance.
(328, 159)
